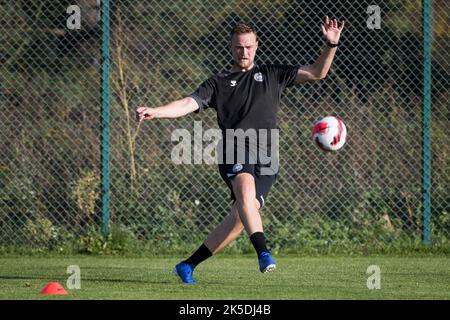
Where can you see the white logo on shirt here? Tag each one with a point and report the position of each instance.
(237, 167)
(233, 83)
(258, 77)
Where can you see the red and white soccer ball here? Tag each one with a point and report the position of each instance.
(329, 133)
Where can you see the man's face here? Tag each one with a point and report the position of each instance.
(243, 49)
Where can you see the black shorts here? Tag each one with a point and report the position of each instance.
(263, 182)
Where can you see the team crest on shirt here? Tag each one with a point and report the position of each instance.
(258, 77)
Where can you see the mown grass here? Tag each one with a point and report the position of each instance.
(229, 277)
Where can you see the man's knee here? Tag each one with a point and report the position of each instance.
(244, 190)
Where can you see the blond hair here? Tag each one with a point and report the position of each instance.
(242, 28)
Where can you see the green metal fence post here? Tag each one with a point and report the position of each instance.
(105, 116)
(426, 115)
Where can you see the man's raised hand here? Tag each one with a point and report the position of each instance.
(331, 31)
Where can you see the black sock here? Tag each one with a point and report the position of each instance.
(200, 255)
(259, 242)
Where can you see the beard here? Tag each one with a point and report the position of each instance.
(243, 64)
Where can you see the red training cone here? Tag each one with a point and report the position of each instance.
(53, 288)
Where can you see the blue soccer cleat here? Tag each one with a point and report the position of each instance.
(266, 262)
(184, 271)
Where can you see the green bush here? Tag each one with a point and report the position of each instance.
(40, 232)
(120, 240)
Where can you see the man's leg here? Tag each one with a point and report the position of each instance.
(219, 238)
(244, 213)
(228, 230)
(247, 205)
(244, 190)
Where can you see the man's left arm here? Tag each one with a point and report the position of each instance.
(319, 69)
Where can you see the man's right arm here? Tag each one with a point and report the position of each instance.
(174, 109)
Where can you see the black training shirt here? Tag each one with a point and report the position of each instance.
(245, 100)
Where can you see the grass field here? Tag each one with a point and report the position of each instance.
(229, 277)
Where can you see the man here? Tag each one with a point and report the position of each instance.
(245, 97)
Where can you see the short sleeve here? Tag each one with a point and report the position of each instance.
(286, 75)
(204, 95)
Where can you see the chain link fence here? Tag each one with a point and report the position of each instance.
(367, 195)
